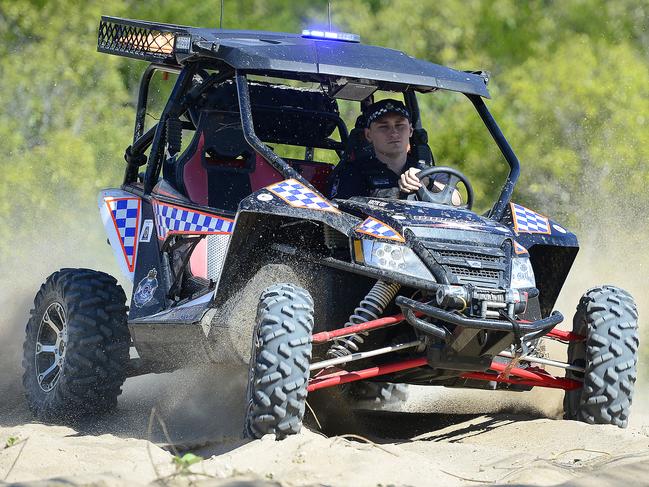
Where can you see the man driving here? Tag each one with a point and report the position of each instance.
(389, 170)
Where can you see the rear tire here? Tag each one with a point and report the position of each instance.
(377, 395)
(279, 363)
(77, 346)
(608, 318)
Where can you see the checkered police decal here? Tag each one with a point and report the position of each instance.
(299, 196)
(528, 221)
(389, 108)
(170, 219)
(126, 218)
(375, 228)
(519, 249)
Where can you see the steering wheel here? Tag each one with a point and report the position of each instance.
(445, 196)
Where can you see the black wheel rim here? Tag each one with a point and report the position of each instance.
(51, 342)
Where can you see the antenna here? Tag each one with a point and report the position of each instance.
(328, 13)
(221, 22)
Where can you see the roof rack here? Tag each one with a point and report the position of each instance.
(287, 55)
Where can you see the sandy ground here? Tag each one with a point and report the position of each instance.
(438, 437)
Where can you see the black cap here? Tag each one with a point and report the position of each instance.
(380, 108)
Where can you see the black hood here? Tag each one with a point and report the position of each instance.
(418, 216)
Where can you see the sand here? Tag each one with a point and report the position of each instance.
(438, 437)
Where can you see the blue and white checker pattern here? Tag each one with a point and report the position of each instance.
(372, 226)
(519, 249)
(173, 219)
(126, 216)
(299, 196)
(528, 221)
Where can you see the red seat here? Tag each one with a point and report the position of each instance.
(196, 181)
(316, 173)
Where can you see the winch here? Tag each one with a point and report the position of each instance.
(481, 302)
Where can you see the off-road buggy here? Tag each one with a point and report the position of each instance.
(378, 290)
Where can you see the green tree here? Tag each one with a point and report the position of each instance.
(64, 120)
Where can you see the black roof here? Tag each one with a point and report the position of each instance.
(283, 54)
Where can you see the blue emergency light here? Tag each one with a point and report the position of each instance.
(331, 36)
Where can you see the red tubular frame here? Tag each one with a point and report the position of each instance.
(327, 336)
(567, 336)
(342, 376)
(532, 376)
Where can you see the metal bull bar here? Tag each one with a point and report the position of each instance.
(410, 306)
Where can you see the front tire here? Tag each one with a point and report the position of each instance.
(608, 318)
(77, 346)
(279, 362)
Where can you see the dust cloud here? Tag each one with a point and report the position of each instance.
(23, 275)
(232, 327)
(192, 403)
(613, 235)
(12, 326)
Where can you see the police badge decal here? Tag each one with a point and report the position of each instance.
(145, 289)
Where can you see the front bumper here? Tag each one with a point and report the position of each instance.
(523, 328)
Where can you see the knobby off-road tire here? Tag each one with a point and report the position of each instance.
(608, 318)
(77, 346)
(377, 395)
(279, 363)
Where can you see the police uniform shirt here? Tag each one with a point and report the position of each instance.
(367, 177)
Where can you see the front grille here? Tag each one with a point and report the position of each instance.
(474, 273)
(484, 266)
(468, 255)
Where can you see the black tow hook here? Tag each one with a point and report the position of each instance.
(428, 328)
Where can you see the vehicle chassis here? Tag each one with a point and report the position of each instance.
(328, 374)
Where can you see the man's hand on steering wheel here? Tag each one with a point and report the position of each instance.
(410, 182)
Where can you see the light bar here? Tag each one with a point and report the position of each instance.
(332, 36)
(140, 40)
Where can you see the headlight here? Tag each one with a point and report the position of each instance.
(522, 273)
(391, 257)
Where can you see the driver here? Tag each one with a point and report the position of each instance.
(390, 171)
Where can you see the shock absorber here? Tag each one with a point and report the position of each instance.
(370, 308)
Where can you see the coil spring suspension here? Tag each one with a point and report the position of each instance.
(370, 308)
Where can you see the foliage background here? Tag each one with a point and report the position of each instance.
(570, 86)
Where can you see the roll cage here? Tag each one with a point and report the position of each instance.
(234, 55)
(184, 93)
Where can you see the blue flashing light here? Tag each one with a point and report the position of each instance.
(332, 36)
